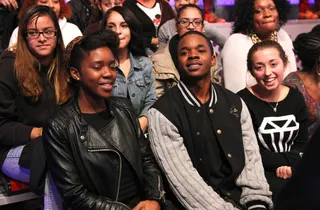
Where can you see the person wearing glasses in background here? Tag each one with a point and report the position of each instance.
(32, 83)
(168, 29)
(189, 18)
(62, 11)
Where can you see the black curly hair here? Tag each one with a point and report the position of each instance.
(244, 11)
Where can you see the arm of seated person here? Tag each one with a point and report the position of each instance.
(12, 132)
(172, 156)
(213, 34)
(65, 174)
(255, 188)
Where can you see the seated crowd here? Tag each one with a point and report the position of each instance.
(142, 113)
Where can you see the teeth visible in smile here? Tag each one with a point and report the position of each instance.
(269, 80)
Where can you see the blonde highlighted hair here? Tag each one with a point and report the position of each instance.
(27, 66)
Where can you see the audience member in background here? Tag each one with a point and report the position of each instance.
(255, 21)
(134, 73)
(151, 14)
(279, 113)
(165, 64)
(81, 12)
(168, 29)
(103, 6)
(303, 189)
(203, 139)
(307, 81)
(97, 155)
(62, 11)
(32, 82)
(9, 20)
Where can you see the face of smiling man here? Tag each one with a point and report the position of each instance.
(194, 57)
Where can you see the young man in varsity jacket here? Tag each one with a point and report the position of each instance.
(203, 139)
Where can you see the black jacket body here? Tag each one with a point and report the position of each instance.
(77, 155)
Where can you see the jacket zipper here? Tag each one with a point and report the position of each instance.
(162, 193)
(120, 171)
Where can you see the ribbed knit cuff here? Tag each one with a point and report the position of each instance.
(256, 205)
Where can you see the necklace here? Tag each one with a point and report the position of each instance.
(255, 39)
(274, 107)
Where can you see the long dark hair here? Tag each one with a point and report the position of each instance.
(27, 65)
(136, 45)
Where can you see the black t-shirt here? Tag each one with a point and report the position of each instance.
(283, 131)
(129, 192)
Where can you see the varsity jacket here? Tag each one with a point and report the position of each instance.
(173, 132)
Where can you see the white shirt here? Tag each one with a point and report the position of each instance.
(153, 13)
(234, 60)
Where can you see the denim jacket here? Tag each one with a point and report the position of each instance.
(139, 84)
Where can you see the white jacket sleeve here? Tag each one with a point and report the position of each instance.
(234, 61)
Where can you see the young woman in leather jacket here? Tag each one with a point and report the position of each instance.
(97, 155)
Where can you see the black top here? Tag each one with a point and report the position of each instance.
(18, 114)
(282, 135)
(303, 189)
(129, 192)
(148, 28)
(209, 150)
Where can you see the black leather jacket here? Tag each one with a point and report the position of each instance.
(76, 154)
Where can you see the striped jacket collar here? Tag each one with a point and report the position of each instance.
(192, 100)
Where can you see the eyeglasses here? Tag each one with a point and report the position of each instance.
(36, 34)
(185, 22)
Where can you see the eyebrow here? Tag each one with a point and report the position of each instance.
(263, 6)
(197, 47)
(115, 23)
(50, 27)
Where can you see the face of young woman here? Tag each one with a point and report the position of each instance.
(105, 5)
(265, 17)
(187, 16)
(117, 24)
(98, 73)
(42, 47)
(268, 68)
(54, 4)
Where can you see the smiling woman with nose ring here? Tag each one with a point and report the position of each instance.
(256, 21)
(279, 113)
